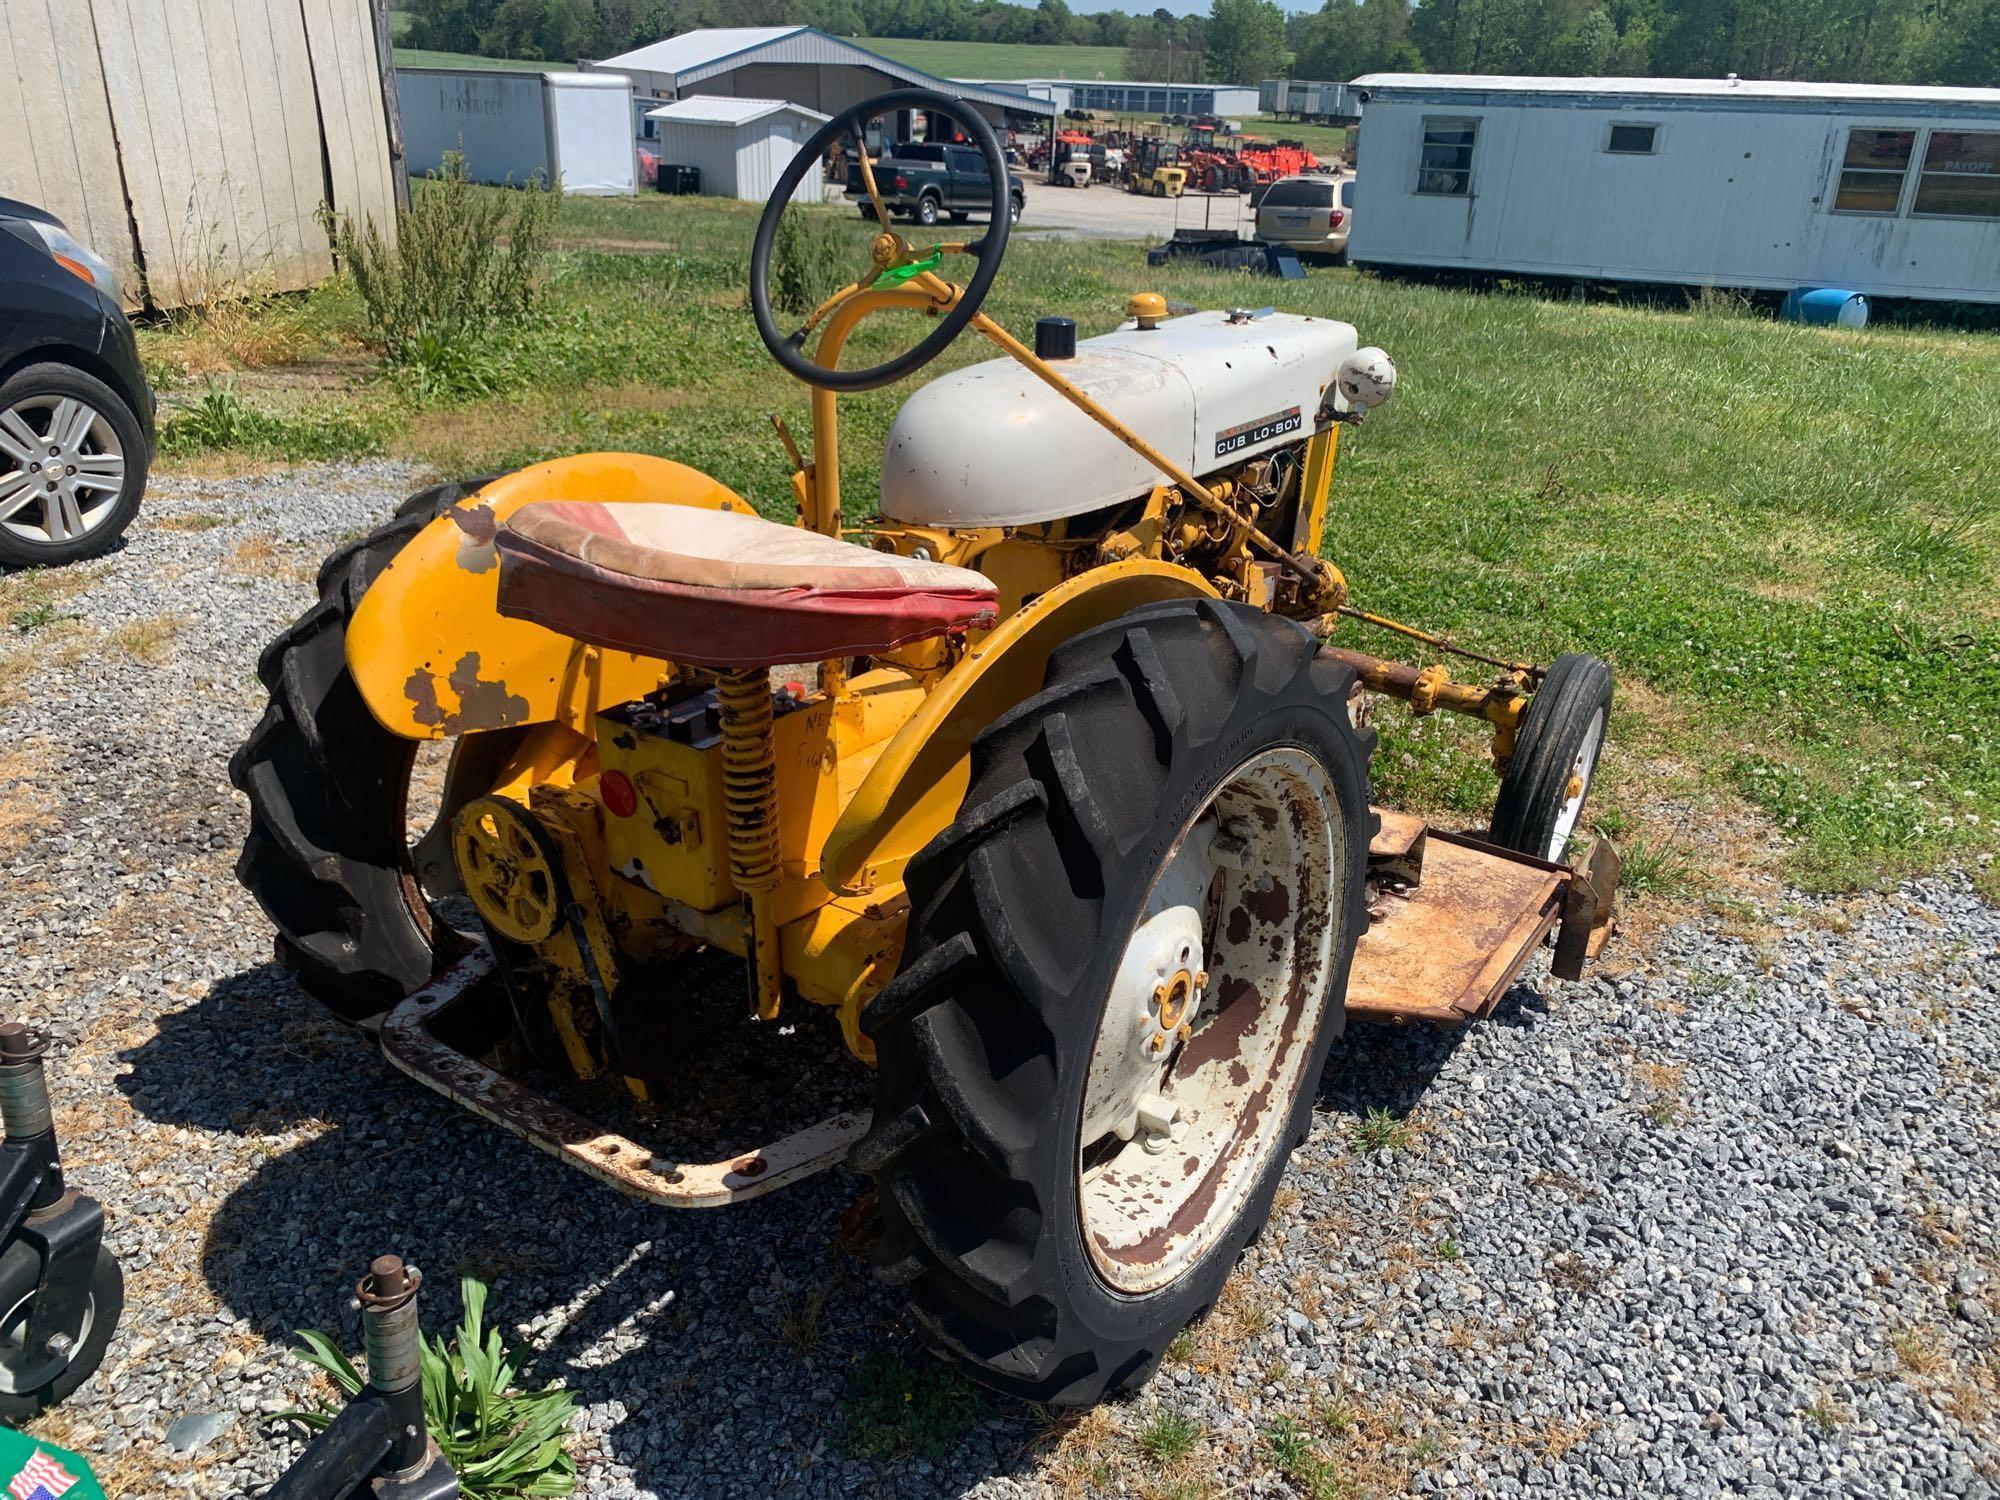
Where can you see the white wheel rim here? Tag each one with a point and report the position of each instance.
(1190, 1085)
(1580, 772)
(61, 469)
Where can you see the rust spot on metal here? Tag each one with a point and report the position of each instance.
(1270, 901)
(421, 690)
(482, 704)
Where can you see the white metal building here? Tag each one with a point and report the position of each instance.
(513, 126)
(801, 64)
(1224, 99)
(1892, 192)
(1314, 101)
(740, 146)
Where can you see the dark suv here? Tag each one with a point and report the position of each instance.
(76, 414)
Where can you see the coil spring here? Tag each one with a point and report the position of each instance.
(749, 777)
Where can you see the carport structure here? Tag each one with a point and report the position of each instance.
(805, 66)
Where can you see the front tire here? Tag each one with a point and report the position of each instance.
(1034, 1079)
(1555, 759)
(327, 855)
(73, 461)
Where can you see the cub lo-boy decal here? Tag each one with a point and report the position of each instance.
(1249, 434)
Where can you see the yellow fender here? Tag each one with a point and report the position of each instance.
(431, 652)
(914, 789)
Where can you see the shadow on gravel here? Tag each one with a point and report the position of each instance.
(1375, 1066)
(718, 1348)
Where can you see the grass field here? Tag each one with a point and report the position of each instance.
(1001, 59)
(1783, 538)
(418, 57)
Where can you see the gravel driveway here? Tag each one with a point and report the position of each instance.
(1720, 1220)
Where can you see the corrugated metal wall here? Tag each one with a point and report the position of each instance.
(195, 140)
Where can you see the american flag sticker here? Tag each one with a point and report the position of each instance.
(40, 1478)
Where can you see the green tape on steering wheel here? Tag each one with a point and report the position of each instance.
(900, 274)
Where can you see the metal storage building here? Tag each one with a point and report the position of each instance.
(1156, 98)
(513, 126)
(1317, 101)
(801, 64)
(740, 146)
(1892, 192)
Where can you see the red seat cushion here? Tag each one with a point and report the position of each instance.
(718, 589)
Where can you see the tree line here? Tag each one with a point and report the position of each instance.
(1242, 41)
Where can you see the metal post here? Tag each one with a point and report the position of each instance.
(24, 1102)
(389, 1337)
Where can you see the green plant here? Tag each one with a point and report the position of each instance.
(501, 1440)
(1449, 1249)
(891, 1411)
(1168, 1436)
(805, 260)
(1380, 1130)
(221, 420)
(463, 261)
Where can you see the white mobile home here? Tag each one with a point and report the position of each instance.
(514, 126)
(740, 146)
(1893, 192)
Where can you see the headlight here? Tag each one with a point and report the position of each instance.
(1367, 378)
(76, 257)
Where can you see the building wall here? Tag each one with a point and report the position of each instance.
(186, 139)
(1734, 196)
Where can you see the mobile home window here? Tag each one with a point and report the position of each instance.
(1446, 164)
(1872, 171)
(1631, 140)
(1961, 175)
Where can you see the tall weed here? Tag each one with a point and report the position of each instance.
(463, 262)
(806, 259)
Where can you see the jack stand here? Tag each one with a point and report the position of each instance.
(63, 1287)
(378, 1447)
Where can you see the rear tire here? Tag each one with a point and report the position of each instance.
(33, 395)
(1555, 759)
(996, 1038)
(927, 211)
(327, 855)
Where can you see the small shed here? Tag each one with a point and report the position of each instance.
(1727, 182)
(513, 126)
(740, 146)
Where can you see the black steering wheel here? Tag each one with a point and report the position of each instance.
(890, 251)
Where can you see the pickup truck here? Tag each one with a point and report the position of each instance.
(925, 182)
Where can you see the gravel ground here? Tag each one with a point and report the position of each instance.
(1720, 1220)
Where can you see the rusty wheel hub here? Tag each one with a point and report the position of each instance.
(1208, 1021)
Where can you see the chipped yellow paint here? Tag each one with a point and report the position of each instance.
(431, 652)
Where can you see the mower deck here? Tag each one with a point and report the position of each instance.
(1452, 922)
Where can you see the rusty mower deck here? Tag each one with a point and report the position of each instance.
(1452, 921)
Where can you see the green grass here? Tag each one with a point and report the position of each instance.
(1002, 59)
(420, 57)
(1783, 538)
(1167, 1437)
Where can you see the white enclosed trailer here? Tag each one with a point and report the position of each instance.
(740, 146)
(575, 128)
(1892, 192)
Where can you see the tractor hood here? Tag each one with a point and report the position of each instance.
(991, 445)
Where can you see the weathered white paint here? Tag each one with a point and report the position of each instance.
(741, 146)
(1738, 191)
(196, 138)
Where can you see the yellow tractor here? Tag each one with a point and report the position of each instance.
(1042, 781)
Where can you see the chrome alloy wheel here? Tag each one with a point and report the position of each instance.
(61, 468)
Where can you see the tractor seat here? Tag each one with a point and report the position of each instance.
(714, 588)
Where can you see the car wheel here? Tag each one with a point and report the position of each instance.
(1013, 210)
(73, 462)
(927, 211)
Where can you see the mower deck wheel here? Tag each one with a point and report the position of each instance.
(1126, 962)
(1555, 759)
